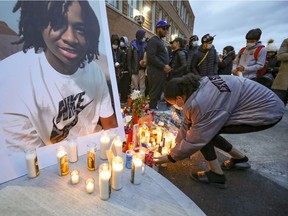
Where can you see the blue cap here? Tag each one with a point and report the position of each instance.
(162, 23)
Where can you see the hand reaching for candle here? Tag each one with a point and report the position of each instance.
(160, 159)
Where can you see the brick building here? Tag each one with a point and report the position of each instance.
(127, 16)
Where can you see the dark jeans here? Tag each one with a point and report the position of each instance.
(156, 82)
(124, 86)
(218, 141)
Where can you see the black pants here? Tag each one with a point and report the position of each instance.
(218, 141)
(124, 86)
(156, 80)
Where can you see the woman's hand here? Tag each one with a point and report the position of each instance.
(160, 159)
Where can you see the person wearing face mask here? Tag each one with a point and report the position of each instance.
(205, 61)
(124, 76)
(118, 57)
(192, 50)
(226, 62)
(215, 105)
(135, 61)
(248, 63)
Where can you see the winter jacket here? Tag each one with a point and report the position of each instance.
(179, 63)
(135, 54)
(192, 51)
(281, 80)
(248, 61)
(157, 55)
(210, 64)
(225, 67)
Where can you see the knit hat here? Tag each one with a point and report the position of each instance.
(254, 34)
(271, 47)
(162, 23)
(140, 34)
(207, 38)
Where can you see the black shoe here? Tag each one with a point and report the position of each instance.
(210, 177)
(236, 164)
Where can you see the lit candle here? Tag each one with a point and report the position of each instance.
(89, 183)
(91, 156)
(136, 172)
(117, 173)
(75, 177)
(147, 137)
(73, 151)
(32, 163)
(62, 159)
(118, 145)
(104, 141)
(142, 153)
(159, 137)
(104, 181)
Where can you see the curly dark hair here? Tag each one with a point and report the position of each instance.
(37, 15)
(182, 86)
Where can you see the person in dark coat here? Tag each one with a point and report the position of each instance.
(226, 62)
(179, 62)
(157, 63)
(206, 60)
(192, 50)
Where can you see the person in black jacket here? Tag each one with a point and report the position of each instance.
(192, 50)
(157, 63)
(205, 62)
(226, 62)
(179, 62)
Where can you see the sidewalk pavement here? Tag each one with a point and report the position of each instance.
(261, 190)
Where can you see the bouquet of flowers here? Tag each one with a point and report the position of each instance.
(139, 104)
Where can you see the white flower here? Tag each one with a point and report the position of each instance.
(135, 95)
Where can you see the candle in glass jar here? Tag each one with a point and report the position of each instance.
(91, 156)
(118, 145)
(75, 177)
(136, 172)
(73, 151)
(62, 159)
(142, 153)
(89, 184)
(32, 163)
(104, 141)
(104, 181)
(147, 137)
(159, 137)
(117, 173)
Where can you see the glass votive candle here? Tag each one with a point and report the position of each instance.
(90, 185)
(128, 161)
(104, 181)
(73, 151)
(118, 144)
(62, 160)
(104, 141)
(142, 152)
(117, 173)
(75, 177)
(31, 163)
(136, 172)
(91, 156)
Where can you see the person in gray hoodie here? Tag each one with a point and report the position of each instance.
(217, 105)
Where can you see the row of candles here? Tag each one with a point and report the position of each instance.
(110, 174)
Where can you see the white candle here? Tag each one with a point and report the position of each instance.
(91, 156)
(147, 137)
(73, 151)
(62, 159)
(136, 172)
(159, 137)
(117, 173)
(75, 177)
(104, 181)
(32, 163)
(89, 183)
(142, 153)
(104, 141)
(118, 145)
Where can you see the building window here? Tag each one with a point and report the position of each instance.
(152, 17)
(115, 4)
(134, 8)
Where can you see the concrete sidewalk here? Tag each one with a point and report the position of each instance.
(262, 190)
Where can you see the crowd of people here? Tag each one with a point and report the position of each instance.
(147, 64)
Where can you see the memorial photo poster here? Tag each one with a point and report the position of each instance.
(12, 163)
